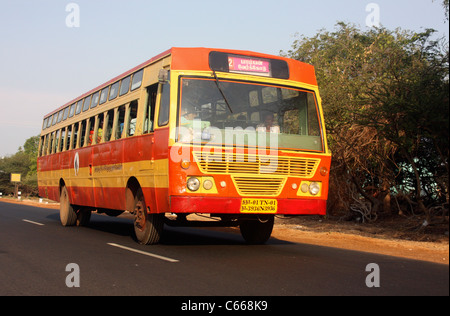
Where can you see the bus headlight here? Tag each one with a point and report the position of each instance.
(314, 188)
(193, 184)
(207, 184)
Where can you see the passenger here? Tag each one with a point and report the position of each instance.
(99, 135)
(187, 116)
(269, 125)
(187, 123)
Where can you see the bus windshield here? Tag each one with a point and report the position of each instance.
(239, 113)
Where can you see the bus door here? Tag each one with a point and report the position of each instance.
(161, 144)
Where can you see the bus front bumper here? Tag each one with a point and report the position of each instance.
(232, 205)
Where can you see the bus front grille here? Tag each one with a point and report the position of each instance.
(259, 186)
(234, 163)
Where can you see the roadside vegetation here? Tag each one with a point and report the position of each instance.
(386, 101)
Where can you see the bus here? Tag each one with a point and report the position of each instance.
(231, 137)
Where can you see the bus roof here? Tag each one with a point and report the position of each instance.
(198, 59)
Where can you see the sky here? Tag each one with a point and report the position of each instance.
(52, 51)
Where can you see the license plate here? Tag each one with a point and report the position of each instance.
(265, 206)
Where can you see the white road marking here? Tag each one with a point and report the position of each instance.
(31, 222)
(144, 253)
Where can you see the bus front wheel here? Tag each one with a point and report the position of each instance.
(257, 231)
(147, 227)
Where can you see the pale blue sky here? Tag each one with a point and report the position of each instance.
(44, 63)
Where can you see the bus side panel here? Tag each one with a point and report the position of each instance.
(53, 185)
(81, 186)
(43, 178)
(107, 169)
(161, 174)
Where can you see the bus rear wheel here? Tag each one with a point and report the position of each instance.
(67, 213)
(257, 231)
(147, 227)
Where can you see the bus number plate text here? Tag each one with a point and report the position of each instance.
(265, 206)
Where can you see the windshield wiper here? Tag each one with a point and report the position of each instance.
(221, 92)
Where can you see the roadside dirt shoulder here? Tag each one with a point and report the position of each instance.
(382, 238)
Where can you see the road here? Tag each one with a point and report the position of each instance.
(35, 253)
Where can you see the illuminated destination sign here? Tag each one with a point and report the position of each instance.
(249, 65)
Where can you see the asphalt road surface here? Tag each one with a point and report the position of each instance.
(40, 257)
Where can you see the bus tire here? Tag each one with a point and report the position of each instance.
(83, 217)
(257, 232)
(67, 213)
(147, 227)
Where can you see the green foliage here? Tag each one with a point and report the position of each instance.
(23, 162)
(385, 97)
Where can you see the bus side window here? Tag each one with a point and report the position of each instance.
(56, 144)
(69, 138)
(99, 128)
(109, 125)
(132, 119)
(91, 128)
(83, 133)
(149, 116)
(42, 146)
(164, 107)
(76, 128)
(63, 139)
(120, 119)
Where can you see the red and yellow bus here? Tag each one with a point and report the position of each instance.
(236, 136)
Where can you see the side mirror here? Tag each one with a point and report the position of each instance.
(163, 76)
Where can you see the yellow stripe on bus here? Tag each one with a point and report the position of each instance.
(150, 174)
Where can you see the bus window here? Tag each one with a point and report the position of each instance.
(137, 80)
(95, 99)
(109, 125)
(72, 110)
(55, 117)
(57, 139)
(42, 147)
(114, 91)
(83, 133)
(49, 123)
(313, 120)
(76, 127)
(62, 140)
(132, 119)
(90, 128)
(69, 138)
(60, 115)
(47, 143)
(99, 131)
(150, 109)
(120, 119)
(66, 113)
(164, 107)
(104, 95)
(50, 143)
(79, 106)
(87, 103)
(125, 86)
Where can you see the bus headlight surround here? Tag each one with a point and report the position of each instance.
(314, 188)
(193, 184)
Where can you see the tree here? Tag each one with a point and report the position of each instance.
(23, 162)
(385, 97)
